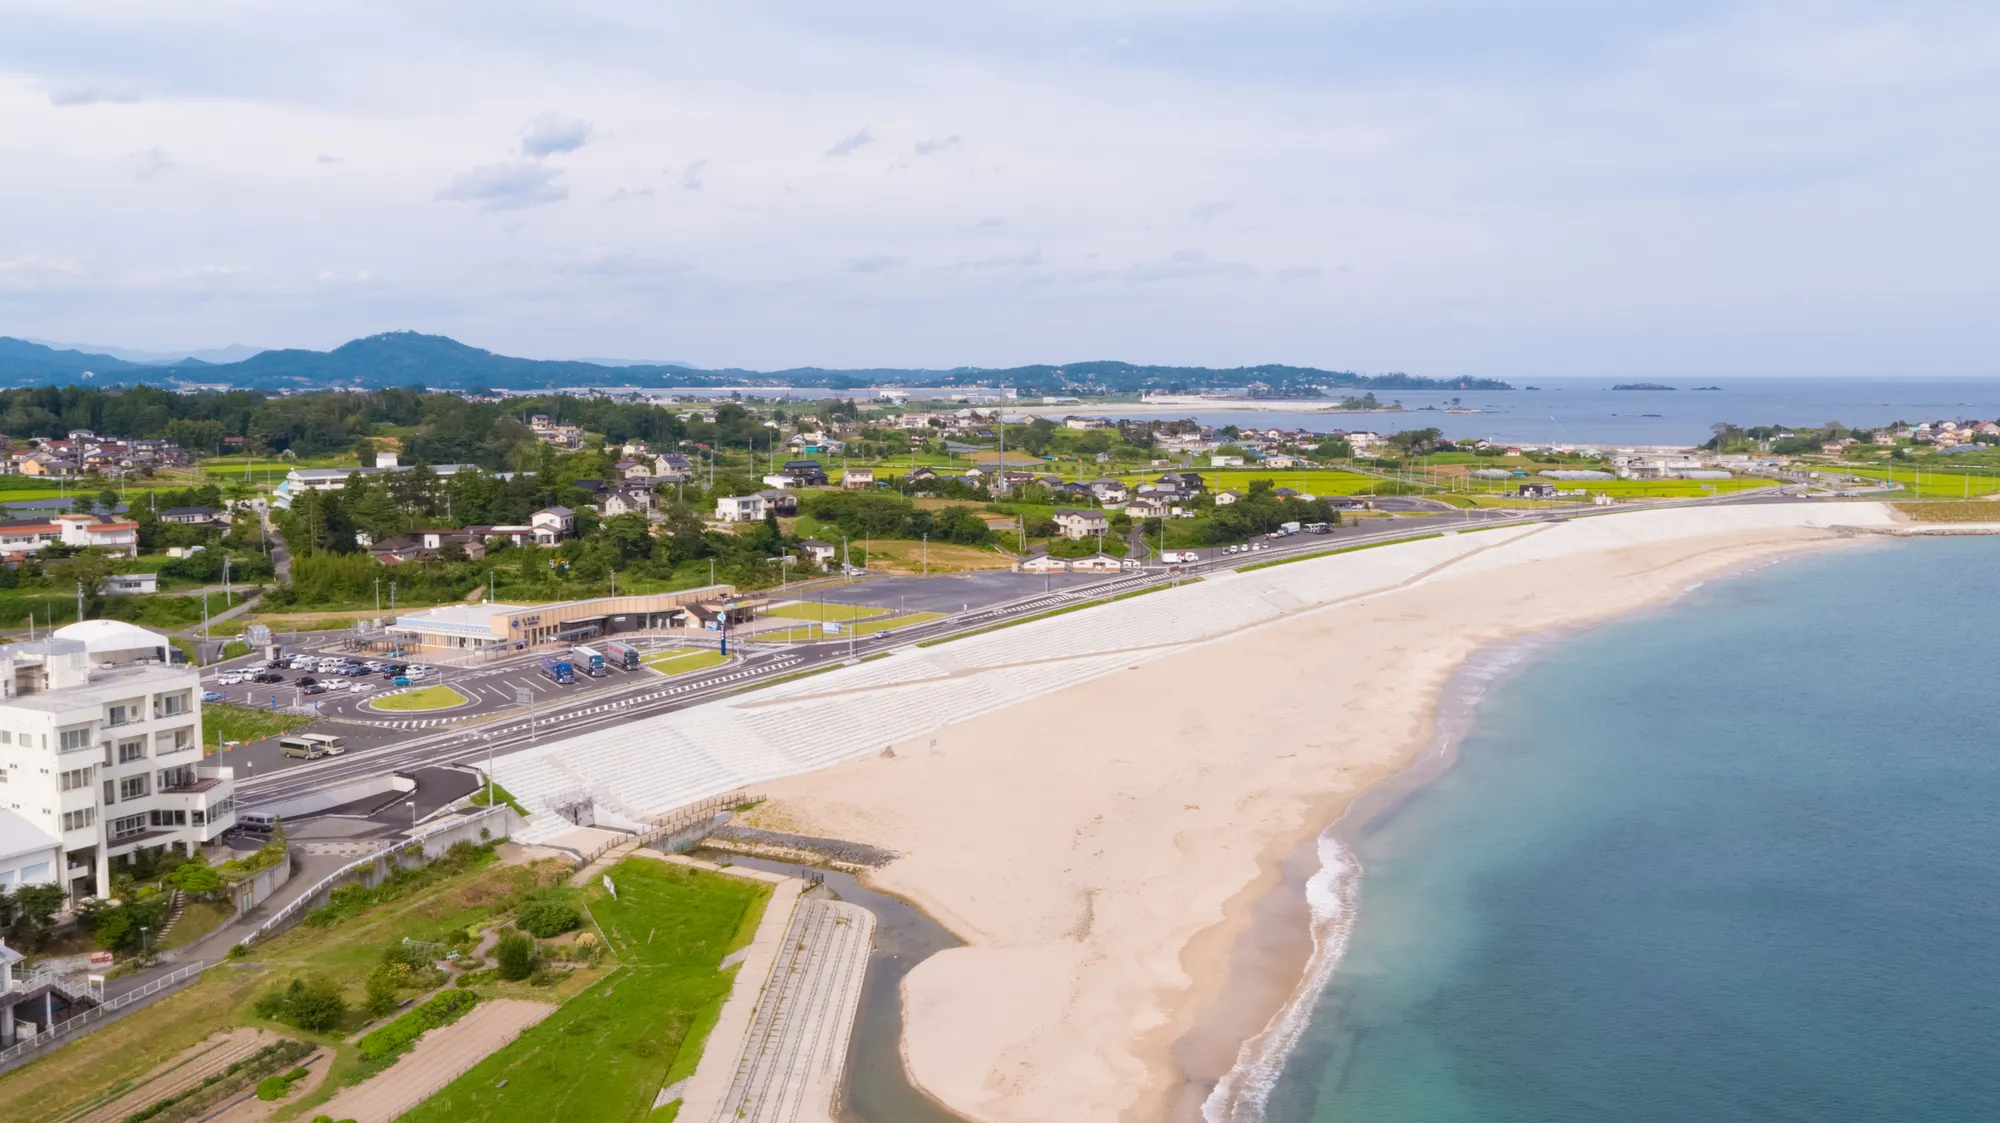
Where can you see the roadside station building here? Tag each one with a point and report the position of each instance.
(492, 627)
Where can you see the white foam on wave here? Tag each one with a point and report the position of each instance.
(1243, 1093)
(1240, 1096)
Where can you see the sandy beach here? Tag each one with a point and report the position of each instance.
(1104, 848)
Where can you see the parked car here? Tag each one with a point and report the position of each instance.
(315, 689)
(399, 680)
(268, 677)
(307, 680)
(358, 686)
(211, 696)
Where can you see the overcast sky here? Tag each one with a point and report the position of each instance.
(1617, 187)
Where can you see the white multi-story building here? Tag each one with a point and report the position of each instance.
(100, 747)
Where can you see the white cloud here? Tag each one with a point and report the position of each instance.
(851, 143)
(504, 187)
(552, 134)
(1742, 186)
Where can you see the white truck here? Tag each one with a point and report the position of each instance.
(1173, 557)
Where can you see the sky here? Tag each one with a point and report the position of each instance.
(1441, 187)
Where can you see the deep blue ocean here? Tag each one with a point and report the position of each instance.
(1735, 859)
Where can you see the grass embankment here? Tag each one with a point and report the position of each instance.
(438, 904)
(608, 1052)
(1945, 511)
(683, 662)
(421, 699)
(1054, 612)
(863, 627)
(1341, 550)
(500, 796)
(221, 722)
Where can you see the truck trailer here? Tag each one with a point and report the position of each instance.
(559, 669)
(622, 655)
(589, 660)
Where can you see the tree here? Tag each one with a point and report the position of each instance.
(107, 500)
(196, 879)
(311, 1004)
(89, 568)
(515, 956)
(34, 908)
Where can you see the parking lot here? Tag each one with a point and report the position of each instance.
(348, 697)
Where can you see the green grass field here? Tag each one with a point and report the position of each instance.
(682, 662)
(420, 699)
(864, 627)
(223, 722)
(817, 610)
(607, 1052)
(102, 1065)
(1929, 483)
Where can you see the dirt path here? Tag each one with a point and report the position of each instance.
(441, 1057)
(194, 1065)
(250, 1109)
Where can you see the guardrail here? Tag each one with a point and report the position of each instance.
(27, 1045)
(675, 822)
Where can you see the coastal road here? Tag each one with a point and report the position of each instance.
(644, 694)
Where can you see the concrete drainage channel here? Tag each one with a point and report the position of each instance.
(876, 1089)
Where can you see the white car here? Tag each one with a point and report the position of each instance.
(358, 686)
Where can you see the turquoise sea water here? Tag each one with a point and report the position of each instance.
(1737, 859)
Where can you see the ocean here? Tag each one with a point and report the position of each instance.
(1737, 858)
(1588, 411)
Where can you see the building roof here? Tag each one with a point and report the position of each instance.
(563, 512)
(110, 635)
(454, 617)
(192, 511)
(19, 836)
(1061, 511)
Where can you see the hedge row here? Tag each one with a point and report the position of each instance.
(443, 1009)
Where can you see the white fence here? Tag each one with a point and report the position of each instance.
(27, 1046)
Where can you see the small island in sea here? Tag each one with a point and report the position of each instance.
(1641, 386)
(1699, 389)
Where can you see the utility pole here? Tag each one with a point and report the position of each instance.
(378, 596)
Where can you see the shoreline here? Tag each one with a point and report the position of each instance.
(1267, 1031)
(1100, 806)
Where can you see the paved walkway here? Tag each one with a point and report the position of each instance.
(789, 1066)
(442, 1056)
(703, 1092)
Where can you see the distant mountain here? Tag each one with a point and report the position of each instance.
(407, 358)
(234, 353)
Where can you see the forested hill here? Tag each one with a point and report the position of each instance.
(411, 359)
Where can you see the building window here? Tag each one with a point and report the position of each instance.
(6, 738)
(129, 751)
(176, 777)
(77, 820)
(127, 827)
(133, 787)
(168, 818)
(76, 778)
(70, 740)
(119, 715)
(171, 704)
(110, 791)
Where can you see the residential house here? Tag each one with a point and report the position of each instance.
(119, 536)
(916, 474)
(783, 504)
(821, 553)
(1109, 491)
(857, 478)
(1073, 523)
(1039, 562)
(626, 501)
(780, 481)
(1220, 460)
(1085, 423)
(739, 508)
(808, 473)
(1538, 491)
(1281, 460)
(552, 525)
(630, 469)
(1183, 481)
(1148, 507)
(1225, 498)
(193, 516)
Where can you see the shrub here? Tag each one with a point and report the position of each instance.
(273, 1088)
(381, 994)
(548, 917)
(516, 956)
(443, 1009)
(310, 1004)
